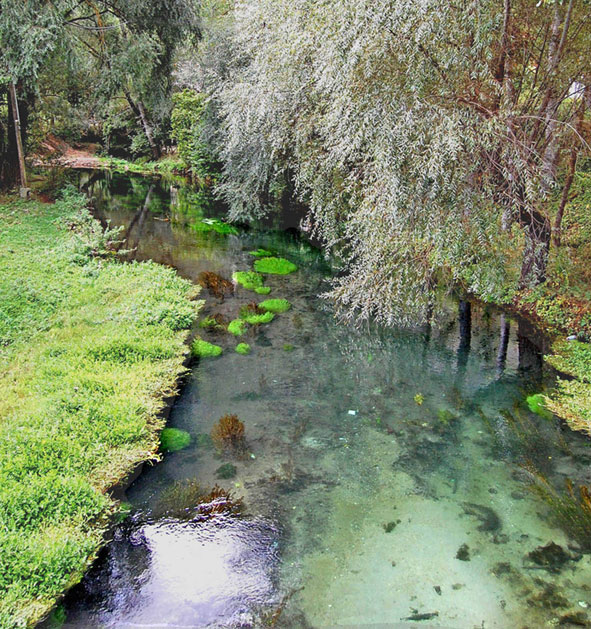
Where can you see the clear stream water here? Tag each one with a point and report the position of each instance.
(362, 506)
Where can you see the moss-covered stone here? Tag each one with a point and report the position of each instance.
(237, 327)
(203, 349)
(243, 348)
(174, 439)
(275, 305)
(275, 266)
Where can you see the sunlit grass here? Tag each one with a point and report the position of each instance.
(89, 347)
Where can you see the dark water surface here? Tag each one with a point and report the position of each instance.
(391, 478)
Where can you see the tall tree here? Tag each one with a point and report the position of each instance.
(425, 135)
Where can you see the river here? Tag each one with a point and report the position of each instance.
(389, 478)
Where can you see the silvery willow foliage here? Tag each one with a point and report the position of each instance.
(408, 128)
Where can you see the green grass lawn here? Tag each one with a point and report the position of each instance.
(89, 347)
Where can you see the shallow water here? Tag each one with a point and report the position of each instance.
(389, 476)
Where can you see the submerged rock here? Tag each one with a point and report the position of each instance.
(552, 557)
(227, 470)
(463, 553)
(490, 521)
(416, 616)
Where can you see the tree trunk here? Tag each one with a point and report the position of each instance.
(537, 231)
(17, 134)
(140, 113)
(148, 131)
(572, 165)
(8, 150)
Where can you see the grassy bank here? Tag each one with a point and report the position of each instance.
(562, 307)
(89, 347)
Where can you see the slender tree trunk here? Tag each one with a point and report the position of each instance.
(572, 165)
(140, 113)
(537, 231)
(146, 125)
(17, 133)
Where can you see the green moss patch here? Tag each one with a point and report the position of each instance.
(257, 319)
(276, 266)
(204, 349)
(537, 404)
(243, 348)
(89, 348)
(214, 225)
(261, 253)
(174, 439)
(237, 327)
(251, 281)
(275, 305)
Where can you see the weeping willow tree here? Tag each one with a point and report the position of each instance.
(425, 136)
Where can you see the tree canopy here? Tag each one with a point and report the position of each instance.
(425, 136)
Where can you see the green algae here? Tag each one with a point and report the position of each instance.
(261, 253)
(237, 327)
(275, 266)
(251, 280)
(174, 439)
(214, 225)
(288, 347)
(275, 305)
(203, 349)
(537, 404)
(243, 348)
(257, 319)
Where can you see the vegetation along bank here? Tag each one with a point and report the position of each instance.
(89, 349)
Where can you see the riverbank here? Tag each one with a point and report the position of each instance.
(89, 348)
(562, 308)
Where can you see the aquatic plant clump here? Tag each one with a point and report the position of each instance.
(214, 322)
(237, 327)
(250, 280)
(217, 285)
(275, 305)
(228, 434)
(174, 439)
(243, 348)
(258, 319)
(204, 349)
(261, 253)
(215, 225)
(275, 266)
(537, 404)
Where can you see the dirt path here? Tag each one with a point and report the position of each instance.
(56, 152)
